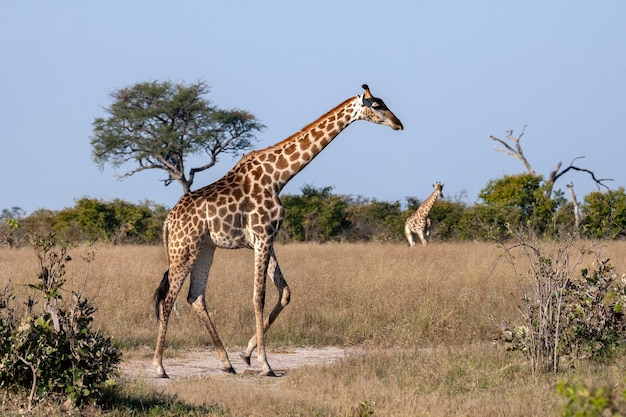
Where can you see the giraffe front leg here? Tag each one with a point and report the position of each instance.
(261, 267)
(422, 237)
(284, 296)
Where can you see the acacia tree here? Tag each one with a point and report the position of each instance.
(158, 125)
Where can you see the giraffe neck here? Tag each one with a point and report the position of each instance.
(429, 202)
(285, 159)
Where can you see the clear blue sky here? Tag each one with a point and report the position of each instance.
(454, 72)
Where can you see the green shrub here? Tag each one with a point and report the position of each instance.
(54, 351)
(585, 402)
(564, 316)
(593, 312)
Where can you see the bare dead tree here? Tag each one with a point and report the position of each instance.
(556, 174)
(570, 187)
(517, 152)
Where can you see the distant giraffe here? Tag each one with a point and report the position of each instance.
(419, 223)
(243, 210)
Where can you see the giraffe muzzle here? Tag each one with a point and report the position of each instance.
(394, 122)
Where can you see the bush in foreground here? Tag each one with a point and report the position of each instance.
(54, 351)
(566, 316)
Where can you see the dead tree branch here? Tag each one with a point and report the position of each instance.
(555, 174)
(514, 152)
(599, 181)
(33, 387)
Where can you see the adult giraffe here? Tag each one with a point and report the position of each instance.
(243, 210)
(418, 224)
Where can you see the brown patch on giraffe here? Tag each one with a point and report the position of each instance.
(228, 219)
(284, 177)
(317, 134)
(276, 176)
(237, 193)
(232, 208)
(266, 180)
(282, 163)
(291, 149)
(268, 204)
(305, 142)
(221, 201)
(196, 222)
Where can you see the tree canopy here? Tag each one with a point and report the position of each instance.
(604, 214)
(518, 199)
(159, 125)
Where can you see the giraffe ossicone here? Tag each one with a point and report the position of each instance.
(419, 224)
(242, 210)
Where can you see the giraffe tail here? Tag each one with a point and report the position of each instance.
(164, 286)
(161, 293)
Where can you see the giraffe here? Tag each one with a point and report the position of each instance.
(419, 223)
(243, 210)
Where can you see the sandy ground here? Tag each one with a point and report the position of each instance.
(203, 363)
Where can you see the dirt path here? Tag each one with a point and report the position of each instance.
(203, 363)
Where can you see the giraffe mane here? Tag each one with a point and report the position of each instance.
(250, 155)
(311, 125)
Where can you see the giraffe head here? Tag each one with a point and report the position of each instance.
(374, 110)
(438, 188)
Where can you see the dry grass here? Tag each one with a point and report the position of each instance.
(422, 315)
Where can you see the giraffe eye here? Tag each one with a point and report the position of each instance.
(377, 104)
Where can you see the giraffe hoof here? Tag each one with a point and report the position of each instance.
(229, 370)
(245, 358)
(162, 375)
(269, 373)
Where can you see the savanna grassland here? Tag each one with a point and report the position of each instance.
(425, 320)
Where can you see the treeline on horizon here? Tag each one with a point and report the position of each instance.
(318, 215)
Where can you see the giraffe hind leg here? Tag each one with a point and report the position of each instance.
(196, 297)
(164, 298)
(410, 236)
